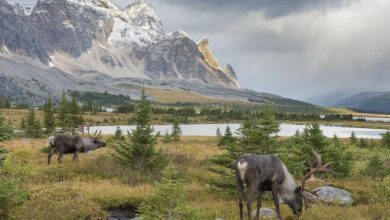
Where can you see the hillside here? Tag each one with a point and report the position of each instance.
(92, 45)
(378, 102)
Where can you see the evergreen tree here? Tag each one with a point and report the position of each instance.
(353, 139)
(6, 130)
(176, 131)
(298, 150)
(49, 120)
(385, 141)
(340, 157)
(168, 200)
(375, 168)
(33, 129)
(227, 139)
(312, 135)
(372, 143)
(140, 153)
(167, 137)
(63, 115)
(118, 136)
(23, 125)
(295, 153)
(75, 119)
(256, 136)
(363, 143)
(218, 133)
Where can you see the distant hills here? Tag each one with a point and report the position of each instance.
(378, 102)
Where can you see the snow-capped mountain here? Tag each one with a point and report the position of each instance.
(96, 36)
(94, 43)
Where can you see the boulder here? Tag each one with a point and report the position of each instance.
(333, 195)
(265, 213)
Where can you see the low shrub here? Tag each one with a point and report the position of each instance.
(45, 149)
(60, 202)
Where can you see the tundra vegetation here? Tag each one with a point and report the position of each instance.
(199, 181)
(140, 152)
(92, 108)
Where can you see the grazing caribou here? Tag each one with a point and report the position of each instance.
(268, 173)
(66, 144)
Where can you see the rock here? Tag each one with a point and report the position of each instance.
(266, 213)
(219, 219)
(334, 195)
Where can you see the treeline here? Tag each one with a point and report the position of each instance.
(100, 98)
(5, 102)
(224, 114)
(95, 101)
(6, 130)
(66, 115)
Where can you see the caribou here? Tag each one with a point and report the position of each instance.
(268, 173)
(65, 144)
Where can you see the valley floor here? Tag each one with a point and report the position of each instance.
(110, 118)
(96, 184)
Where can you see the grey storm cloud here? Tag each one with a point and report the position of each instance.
(298, 49)
(294, 48)
(271, 8)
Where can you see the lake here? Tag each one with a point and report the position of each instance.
(373, 119)
(286, 130)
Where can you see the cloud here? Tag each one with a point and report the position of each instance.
(298, 49)
(271, 8)
(303, 52)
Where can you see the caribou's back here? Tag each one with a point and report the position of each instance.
(264, 168)
(66, 143)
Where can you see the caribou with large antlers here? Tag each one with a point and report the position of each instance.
(66, 144)
(268, 173)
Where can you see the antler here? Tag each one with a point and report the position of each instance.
(98, 136)
(317, 169)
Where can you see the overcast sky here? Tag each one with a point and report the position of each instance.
(296, 48)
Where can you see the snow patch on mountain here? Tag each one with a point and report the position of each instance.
(138, 24)
(23, 9)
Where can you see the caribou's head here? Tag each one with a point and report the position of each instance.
(93, 142)
(295, 198)
(295, 201)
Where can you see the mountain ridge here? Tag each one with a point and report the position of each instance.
(96, 43)
(378, 102)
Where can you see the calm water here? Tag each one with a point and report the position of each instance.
(286, 130)
(374, 119)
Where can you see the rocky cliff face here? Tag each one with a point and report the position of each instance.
(229, 73)
(95, 36)
(91, 45)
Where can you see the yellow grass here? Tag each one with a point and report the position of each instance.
(16, 115)
(96, 183)
(171, 96)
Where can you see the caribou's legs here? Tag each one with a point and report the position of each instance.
(276, 200)
(50, 155)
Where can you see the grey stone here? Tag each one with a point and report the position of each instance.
(75, 28)
(333, 195)
(265, 213)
